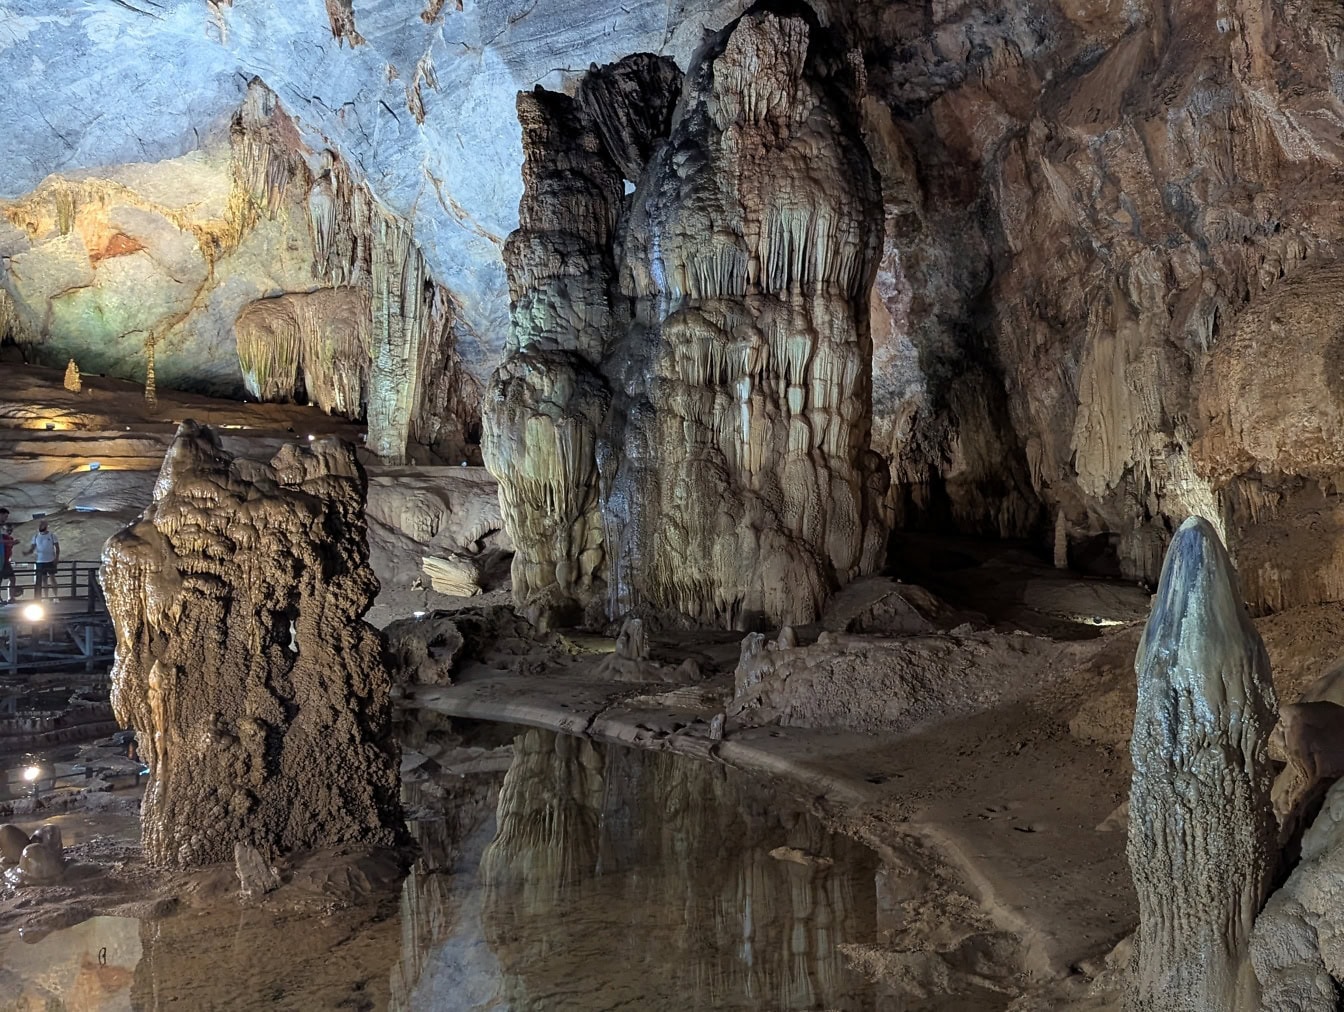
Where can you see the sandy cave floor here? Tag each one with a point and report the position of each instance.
(993, 793)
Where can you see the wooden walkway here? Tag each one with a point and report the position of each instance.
(70, 631)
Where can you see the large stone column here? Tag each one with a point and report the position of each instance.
(1202, 833)
(739, 486)
(243, 661)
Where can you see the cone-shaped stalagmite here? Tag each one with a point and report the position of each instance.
(1202, 830)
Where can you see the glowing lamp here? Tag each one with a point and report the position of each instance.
(31, 773)
(34, 613)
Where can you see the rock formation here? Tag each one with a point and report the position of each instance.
(1202, 835)
(1297, 946)
(318, 339)
(1091, 214)
(72, 381)
(260, 695)
(738, 484)
(41, 858)
(546, 402)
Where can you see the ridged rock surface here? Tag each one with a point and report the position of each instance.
(546, 402)
(723, 314)
(1202, 835)
(739, 487)
(260, 695)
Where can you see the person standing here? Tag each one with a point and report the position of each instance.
(48, 549)
(7, 543)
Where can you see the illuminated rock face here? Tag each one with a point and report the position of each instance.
(544, 405)
(739, 487)
(702, 348)
(319, 339)
(260, 695)
(1202, 834)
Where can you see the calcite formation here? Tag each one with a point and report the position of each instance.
(316, 342)
(1090, 210)
(727, 409)
(1297, 946)
(260, 695)
(1202, 834)
(547, 401)
(739, 487)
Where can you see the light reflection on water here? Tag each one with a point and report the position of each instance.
(592, 878)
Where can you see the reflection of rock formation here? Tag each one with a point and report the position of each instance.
(653, 875)
(1202, 834)
(437, 902)
(227, 957)
(737, 481)
(242, 658)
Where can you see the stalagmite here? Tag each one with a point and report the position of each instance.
(738, 483)
(72, 380)
(546, 401)
(151, 387)
(242, 658)
(1202, 834)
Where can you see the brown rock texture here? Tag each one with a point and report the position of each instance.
(260, 695)
(1202, 833)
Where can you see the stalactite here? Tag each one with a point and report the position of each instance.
(321, 338)
(395, 363)
(267, 158)
(401, 310)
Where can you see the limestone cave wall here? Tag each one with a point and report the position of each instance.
(1103, 296)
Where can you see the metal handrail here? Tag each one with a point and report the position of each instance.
(73, 580)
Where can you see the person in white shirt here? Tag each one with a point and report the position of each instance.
(48, 549)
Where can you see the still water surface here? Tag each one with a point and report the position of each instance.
(586, 878)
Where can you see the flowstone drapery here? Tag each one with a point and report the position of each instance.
(259, 693)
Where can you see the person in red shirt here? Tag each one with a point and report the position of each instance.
(8, 541)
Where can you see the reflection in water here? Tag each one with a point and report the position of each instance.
(591, 878)
(87, 968)
(621, 879)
